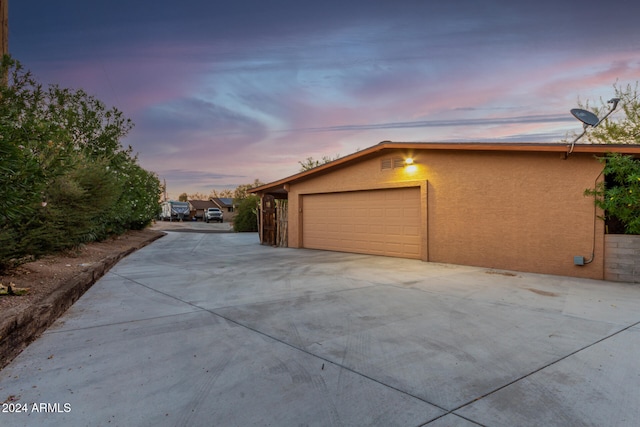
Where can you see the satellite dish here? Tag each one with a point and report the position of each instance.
(586, 117)
(589, 119)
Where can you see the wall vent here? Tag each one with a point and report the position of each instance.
(394, 163)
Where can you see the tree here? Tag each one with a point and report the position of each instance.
(622, 131)
(226, 193)
(310, 162)
(183, 197)
(198, 196)
(619, 194)
(65, 177)
(240, 192)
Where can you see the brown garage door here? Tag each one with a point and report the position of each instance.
(378, 222)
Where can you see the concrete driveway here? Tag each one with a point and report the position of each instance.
(214, 329)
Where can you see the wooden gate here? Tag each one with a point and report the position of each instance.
(272, 221)
(282, 223)
(268, 220)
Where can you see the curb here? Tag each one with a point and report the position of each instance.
(19, 328)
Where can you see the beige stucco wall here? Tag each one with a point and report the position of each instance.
(521, 211)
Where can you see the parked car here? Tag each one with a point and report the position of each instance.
(213, 214)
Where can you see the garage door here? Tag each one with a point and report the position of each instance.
(378, 222)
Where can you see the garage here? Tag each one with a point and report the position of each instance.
(377, 222)
(503, 206)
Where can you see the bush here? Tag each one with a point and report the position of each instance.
(619, 195)
(65, 178)
(247, 216)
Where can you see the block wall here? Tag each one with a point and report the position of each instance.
(622, 258)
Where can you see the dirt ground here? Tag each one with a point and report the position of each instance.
(45, 275)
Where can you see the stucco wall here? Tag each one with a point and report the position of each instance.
(520, 211)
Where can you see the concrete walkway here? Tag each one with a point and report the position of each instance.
(214, 329)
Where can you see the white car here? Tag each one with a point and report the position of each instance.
(213, 214)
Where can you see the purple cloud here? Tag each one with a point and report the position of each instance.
(225, 92)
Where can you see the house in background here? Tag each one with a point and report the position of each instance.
(198, 207)
(504, 206)
(225, 204)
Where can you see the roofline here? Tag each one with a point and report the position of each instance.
(457, 146)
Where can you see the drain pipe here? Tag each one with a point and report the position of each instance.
(579, 260)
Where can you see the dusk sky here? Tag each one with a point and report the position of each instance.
(222, 93)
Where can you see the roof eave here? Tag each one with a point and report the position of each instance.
(279, 186)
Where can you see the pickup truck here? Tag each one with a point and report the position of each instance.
(213, 214)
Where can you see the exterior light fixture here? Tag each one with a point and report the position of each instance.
(589, 119)
(410, 165)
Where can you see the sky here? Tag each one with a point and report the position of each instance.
(223, 93)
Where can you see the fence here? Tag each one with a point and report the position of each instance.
(622, 257)
(273, 221)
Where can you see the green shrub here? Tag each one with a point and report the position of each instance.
(246, 219)
(139, 202)
(619, 194)
(65, 178)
